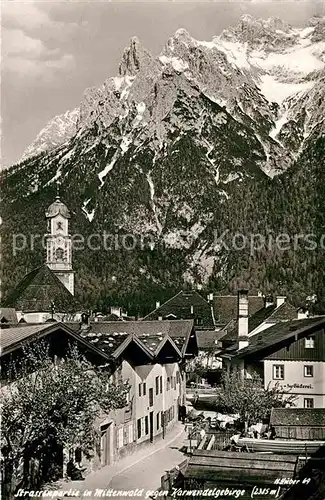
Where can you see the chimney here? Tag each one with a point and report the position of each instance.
(280, 299)
(268, 301)
(116, 310)
(157, 304)
(192, 310)
(302, 313)
(242, 318)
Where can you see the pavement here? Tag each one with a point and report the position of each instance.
(141, 471)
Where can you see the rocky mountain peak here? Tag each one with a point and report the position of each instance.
(134, 56)
(58, 130)
(258, 33)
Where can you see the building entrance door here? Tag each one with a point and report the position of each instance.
(106, 445)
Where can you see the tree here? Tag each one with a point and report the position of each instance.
(248, 397)
(50, 406)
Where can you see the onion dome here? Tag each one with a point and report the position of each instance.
(56, 208)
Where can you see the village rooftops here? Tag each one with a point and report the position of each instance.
(109, 336)
(271, 314)
(226, 307)
(273, 338)
(185, 305)
(38, 290)
(209, 339)
(15, 338)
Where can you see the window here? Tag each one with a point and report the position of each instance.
(59, 225)
(309, 342)
(157, 385)
(127, 398)
(139, 427)
(177, 377)
(140, 390)
(308, 403)
(150, 397)
(146, 425)
(308, 371)
(59, 253)
(126, 435)
(160, 384)
(168, 383)
(158, 420)
(278, 372)
(131, 433)
(144, 388)
(120, 435)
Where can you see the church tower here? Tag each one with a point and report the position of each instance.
(58, 243)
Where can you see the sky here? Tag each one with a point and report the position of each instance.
(52, 51)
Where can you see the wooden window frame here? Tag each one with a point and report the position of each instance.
(274, 367)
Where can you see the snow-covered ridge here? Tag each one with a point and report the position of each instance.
(56, 132)
(245, 70)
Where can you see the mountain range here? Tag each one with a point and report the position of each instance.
(224, 137)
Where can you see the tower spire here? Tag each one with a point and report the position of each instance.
(58, 189)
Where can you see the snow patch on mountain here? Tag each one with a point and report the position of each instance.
(276, 91)
(152, 197)
(279, 124)
(89, 215)
(109, 166)
(177, 63)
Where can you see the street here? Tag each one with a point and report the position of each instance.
(147, 473)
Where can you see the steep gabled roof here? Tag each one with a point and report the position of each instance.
(180, 307)
(14, 338)
(226, 307)
(208, 339)
(271, 314)
(311, 417)
(155, 343)
(37, 290)
(270, 340)
(109, 336)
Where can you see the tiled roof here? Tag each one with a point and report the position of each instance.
(180, 307)
(106, 342)
(109, 336)
(207, 339)
(37, 290)
(313, 417)
(226, 306)
(278, 333)
(284, 312)
(8, 315)
(12, 338)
